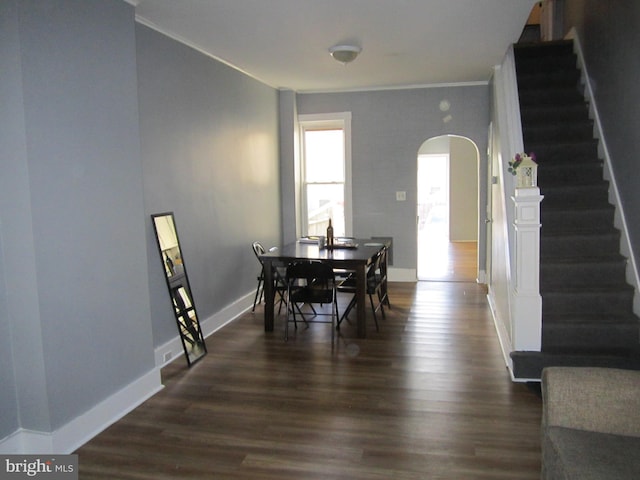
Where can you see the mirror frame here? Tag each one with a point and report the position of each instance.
(175, 274)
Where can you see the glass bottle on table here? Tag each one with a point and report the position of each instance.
(330, 235)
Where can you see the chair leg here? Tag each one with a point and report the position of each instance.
(375, 317)
(282, 300)
(302, 314)
(258, 291)
(287, 320)
(381, 305)
(334, 319)
(346, 313)
(384, 298)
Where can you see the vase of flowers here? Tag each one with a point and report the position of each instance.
(525, 169)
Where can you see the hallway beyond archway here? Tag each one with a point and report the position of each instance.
(447, 210)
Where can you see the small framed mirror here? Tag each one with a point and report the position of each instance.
(179, 289)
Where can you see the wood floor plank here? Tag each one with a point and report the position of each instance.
(428, 396)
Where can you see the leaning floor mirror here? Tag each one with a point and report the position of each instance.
(179, 288)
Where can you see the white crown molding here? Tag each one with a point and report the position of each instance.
(397, 87)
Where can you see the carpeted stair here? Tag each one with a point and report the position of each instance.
(587, 316)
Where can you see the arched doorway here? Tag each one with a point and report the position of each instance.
(448, 209)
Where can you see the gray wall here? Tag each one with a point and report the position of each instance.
(103, 123)
(12, 154)
(463, 191)
(388, 128)
(610, 36)
(289, 150)
(75, 280)
(209, 147)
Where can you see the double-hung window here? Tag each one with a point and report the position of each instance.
(325, 167)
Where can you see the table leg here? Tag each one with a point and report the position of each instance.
(269, 295)
(361, 294)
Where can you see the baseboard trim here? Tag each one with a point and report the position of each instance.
(77, 432)
(501, 330)
(172, 349)
(83, 428)
(402, 274)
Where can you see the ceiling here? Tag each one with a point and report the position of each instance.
(284, 43)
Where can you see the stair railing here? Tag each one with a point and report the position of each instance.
(518, 316)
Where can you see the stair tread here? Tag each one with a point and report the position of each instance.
(559, 188)
(548, 45)
(604, 258)
(584, 354)
(575, 208)
(577, 236)
(591, 142)
(590, 318)
(616, 288)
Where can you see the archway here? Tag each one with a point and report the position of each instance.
(447, 210)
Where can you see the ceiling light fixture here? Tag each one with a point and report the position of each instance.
(345, 53)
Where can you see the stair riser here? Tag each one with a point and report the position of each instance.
(547, 134)
(559, 275)
(530, 364)
(584, 246)
(587, 303)
(556, 97)
(533, 66)
(575, 153)
(552, 176)
(537, 115)
(603, 337)
(587, 197)
(557, 221)
(565, 77)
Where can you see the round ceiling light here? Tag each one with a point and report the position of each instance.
(345, 53)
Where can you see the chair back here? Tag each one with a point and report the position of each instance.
(310, 282)
(258, 250)
(382, 263)
(312, 273)
(374, 266)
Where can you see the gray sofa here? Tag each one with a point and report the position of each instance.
(590, 423)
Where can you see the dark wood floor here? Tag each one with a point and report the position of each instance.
(428, 397)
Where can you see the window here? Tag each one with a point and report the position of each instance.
(325, 167)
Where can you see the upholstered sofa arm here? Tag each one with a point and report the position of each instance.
(604, 400)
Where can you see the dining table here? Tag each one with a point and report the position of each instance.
(355, 256)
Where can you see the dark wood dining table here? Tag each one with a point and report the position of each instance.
(353, 259)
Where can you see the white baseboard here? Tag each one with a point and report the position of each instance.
(227, 315)
(86, 426)
(482, 277)
(501, 329)
(172, 349)
(25, 441)
(411, 275)
(402, 275)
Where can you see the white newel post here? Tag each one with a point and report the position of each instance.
(526, 316)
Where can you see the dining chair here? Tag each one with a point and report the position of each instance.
(311, 282)
(280, 285)
(376, 284)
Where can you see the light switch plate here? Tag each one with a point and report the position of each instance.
(401, 196)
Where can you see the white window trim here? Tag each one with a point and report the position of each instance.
(328, 120)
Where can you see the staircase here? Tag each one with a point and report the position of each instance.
(587, 316)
